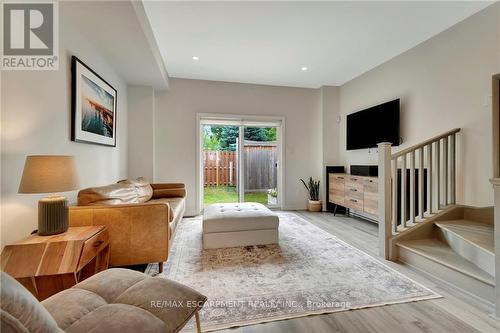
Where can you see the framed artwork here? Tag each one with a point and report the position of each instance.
(94, 106)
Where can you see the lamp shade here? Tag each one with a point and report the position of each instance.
(48, 174)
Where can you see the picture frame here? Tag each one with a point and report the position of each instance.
(94, 109)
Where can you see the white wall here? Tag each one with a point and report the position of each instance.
(141, 132)
(330, 106)
(443, 83)
(36, 119)
(175, 129)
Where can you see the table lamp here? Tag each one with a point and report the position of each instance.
(50, 174)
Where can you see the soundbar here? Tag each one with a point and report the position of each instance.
(364, 170)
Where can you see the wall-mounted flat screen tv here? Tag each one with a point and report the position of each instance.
(367, 128)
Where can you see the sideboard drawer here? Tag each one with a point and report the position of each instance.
(354, 192)
(336, 182)
(354, 181)
(340, 177)
(371, 185)
(354, 203)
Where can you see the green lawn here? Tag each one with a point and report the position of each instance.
(225, 194)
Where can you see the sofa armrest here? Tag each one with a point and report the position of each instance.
(169, 190)
(138, 232)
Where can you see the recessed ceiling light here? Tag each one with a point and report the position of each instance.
(303, 68)
(195, 58)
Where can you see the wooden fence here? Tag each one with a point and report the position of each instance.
(221, 167)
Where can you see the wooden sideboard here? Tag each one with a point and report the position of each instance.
(358, 193)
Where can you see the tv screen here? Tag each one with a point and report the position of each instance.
(367, 128)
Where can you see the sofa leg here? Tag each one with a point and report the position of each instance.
(198, 326)
(160, 267)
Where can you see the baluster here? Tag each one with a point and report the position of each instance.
(429, 179)
(445, 171)
(421, 184)
(438, 174)
(412, 187)
(395, 194)
(452, 169)
(403, 192)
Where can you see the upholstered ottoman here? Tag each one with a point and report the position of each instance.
(239, 224)
(114, 300)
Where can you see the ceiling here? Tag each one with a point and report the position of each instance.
(269, 42)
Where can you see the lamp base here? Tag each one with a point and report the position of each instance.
(52, 215)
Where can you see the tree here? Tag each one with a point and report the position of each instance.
(255, 134)
(224, 137)
(228, 136)
(210, 140)
(271, 133)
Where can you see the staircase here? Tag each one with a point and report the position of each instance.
(456, 248)
(421, 225)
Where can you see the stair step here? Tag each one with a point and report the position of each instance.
(436, 258)
(479, 234)
(441, 253)
(473, 241)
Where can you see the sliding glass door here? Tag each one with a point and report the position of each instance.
(239, 162)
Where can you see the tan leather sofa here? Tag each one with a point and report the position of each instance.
(140, 218)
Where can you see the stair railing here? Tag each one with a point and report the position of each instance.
(414, 184)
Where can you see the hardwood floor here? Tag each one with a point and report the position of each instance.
(455, 312)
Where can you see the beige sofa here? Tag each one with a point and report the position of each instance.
(115, 300)
(140, 217)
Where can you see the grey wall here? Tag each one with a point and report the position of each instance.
(444, 83)
(141, 132)
(175, 129)
(36, 119)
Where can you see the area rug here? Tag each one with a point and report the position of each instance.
(309, 272)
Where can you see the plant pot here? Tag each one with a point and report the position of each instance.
(314, 206)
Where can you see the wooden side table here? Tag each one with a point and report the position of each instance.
(46, 265)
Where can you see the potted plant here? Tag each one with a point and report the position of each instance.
(312, 187)
(272, 196)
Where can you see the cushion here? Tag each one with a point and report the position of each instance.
(238, 217)
(21, 311)
(177, 206)
(72, 304)
(122, 300)
(168, 300)
(111, 283)
(114, 194)
(124, 192)
(122, 318)
(169, 190)
(169, 193)
(142, 186)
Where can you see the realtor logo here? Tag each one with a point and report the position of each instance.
(30, 35)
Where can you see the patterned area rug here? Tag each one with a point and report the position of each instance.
(309, 272)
